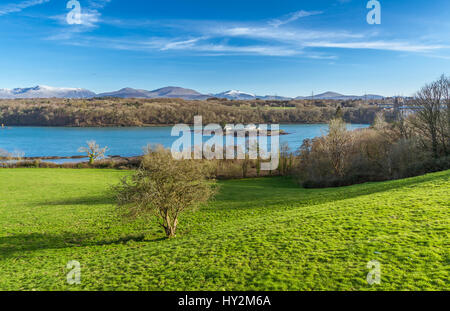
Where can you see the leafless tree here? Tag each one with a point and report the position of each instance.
(93, 151)
(5, 156)
(337, 145)
(164, 188)
(444, 121)
(380, 121)
(286, 160)
(432, 117)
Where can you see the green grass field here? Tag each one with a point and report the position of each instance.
(259, 234)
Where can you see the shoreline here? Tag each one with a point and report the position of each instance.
(247, 133)
(42, 158)
(143, 126)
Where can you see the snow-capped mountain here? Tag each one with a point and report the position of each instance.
(165, 92)
(233, 94)
(274, 97)
(174, 92)
(43, 91)
(238, 95)
(337, 96)
(126, 93)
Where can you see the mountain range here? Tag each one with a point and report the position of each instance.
(42, 91)
(337, 96)
(166, 92)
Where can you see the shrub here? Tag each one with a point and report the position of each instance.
(164, 188)
(373, 155)
(93, 151)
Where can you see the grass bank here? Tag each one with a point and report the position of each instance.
(259, 234)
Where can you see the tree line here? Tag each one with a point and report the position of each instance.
(412, 145)
(100, 112)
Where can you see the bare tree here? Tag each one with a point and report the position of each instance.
(380, 121)
(432, 119)
(286, 159)
(245, 163)
(164, 188)
(93, 151)
(444, 120)
(337, 145)
(5, 156)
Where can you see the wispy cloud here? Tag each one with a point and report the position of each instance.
(98, 4)
(289, 18)
(297, 35)
(377, 45)
(90, 17)
(230, 49)
(196, 45)
(181, 45)
(273, 38)
(17, 7)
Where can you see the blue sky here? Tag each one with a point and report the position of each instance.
(279, 47)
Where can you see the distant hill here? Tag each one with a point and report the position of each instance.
(173, 91)
(126, 93)
(337, 96)
(165, 92)
(42, 91)
(233, 94)
(274, 97)
(327, 95)
(238, 95)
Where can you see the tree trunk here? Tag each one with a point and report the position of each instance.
(170, 227)
(170, 232)
(434, 143)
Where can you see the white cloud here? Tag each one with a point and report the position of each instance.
(377, 45)
(98, 4)
(249, 49)
(292, 17)
(89, 17)
(180, 45)
(277, 34)
(198, 45)
(17, 7)
(230, 38)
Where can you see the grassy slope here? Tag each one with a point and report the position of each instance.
(259, 234)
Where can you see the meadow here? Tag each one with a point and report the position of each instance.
(258, 234)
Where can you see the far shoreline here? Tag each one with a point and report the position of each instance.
(153, 125)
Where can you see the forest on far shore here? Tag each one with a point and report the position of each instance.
(99, 112)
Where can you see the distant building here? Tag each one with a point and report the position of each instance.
(401, 106)
(386, 106)
(408, 110)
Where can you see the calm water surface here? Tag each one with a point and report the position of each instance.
(60, 141)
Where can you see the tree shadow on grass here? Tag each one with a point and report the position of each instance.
(87, 200)
(288, 192)
(19, 243)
